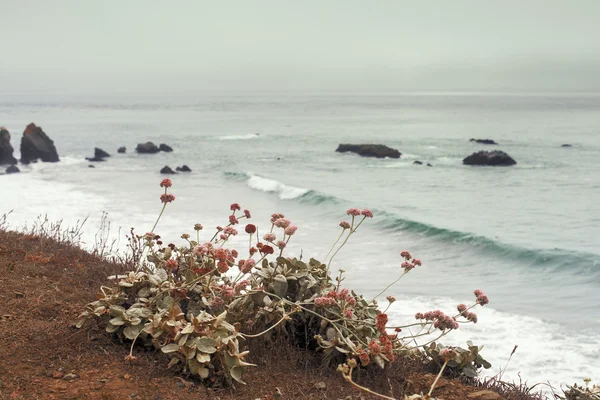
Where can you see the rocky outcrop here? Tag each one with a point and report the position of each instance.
(13, 169)
(167, 170)
(369, 150)
(183, 168)
(483, 141)
(567, 145)
(122, 150)
(35, 144)
(147, 148)
(165, 148)
(418, 162)
(6, 149)
(492, 158)
(99, 155)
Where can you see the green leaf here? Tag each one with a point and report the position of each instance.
(236, 373)
(207, 345)
(202, 357)
(110, 328)
(170, 348)
(132, 331)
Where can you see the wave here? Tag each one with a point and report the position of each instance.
(579, 263)
(248, 136)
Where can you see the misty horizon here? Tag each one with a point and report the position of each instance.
(73, 47)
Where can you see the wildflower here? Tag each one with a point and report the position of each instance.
(230, 231)
(461, 308)
(216, 302)
(381, 321)
(233, 220)
(247, 266)
(448, 353)
(405, 254)
(275, 217)
(235, 207)
(167, 198)
(481, 298)
(367, 213)
(266, 249)
(198, 227)
(391, 299)
(355, 212)
(470, 316)
(241, 285)
(247, 214)
(250, 228)
(282, 223)
(419, 316)
(398, 330)
(227, 292)
(269, 237)
(374, 348)
(363, 357)
(234, 253)
(280, 244)
(350, 300)
(324, 301)
(416, 261)
(407, 266)
(222, 267)
(166, 183)
(185, 236)
(290, 230)
(252, 251)
(348, 313)
(345, 225)
(343, 293)
(171, 246)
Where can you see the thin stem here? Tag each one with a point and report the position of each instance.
(348, 378)
(390, 285)
(336, 242)
(437, 378)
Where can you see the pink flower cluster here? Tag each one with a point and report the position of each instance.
(481, 298)
(324, 301)
(440, 320)
(409, 264)
(345, 225)
(355, 212)
(167, 198)
(246, 265)
(269, 237)
(227, 292)
(166, 183)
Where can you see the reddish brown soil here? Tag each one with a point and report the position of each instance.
(43, 287)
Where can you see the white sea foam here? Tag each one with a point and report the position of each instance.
(547, 351)
(284, 191)
(248, 136)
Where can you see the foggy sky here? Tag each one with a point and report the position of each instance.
(298, 45)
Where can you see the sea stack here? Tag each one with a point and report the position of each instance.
(35, 144)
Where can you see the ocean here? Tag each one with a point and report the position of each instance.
(527, 235)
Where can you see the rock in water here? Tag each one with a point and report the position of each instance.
(12, 169)
(183, 168)
(567, 145)
(99, 153)
(369, 150)
(492, 158)
(6, 150)
(483, 141)
(418, 162)
(147, 148)
(36, 144)
(165, 147)
(122, 150)
(167, 170)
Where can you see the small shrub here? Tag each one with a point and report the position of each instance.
(197, 303)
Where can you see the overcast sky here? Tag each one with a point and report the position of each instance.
(298, 45)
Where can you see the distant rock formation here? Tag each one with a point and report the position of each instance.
(6, 149)
(122, 150)
(13, 169)
(483, 141)
(492, 158)
(91, 166)
(567, 145)
(35, 144)
(147, 148)
(418, 162)
(429, 165)
(99, 155)
(165, 148)
(183, 168)
(167, 170)
(369, 150)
